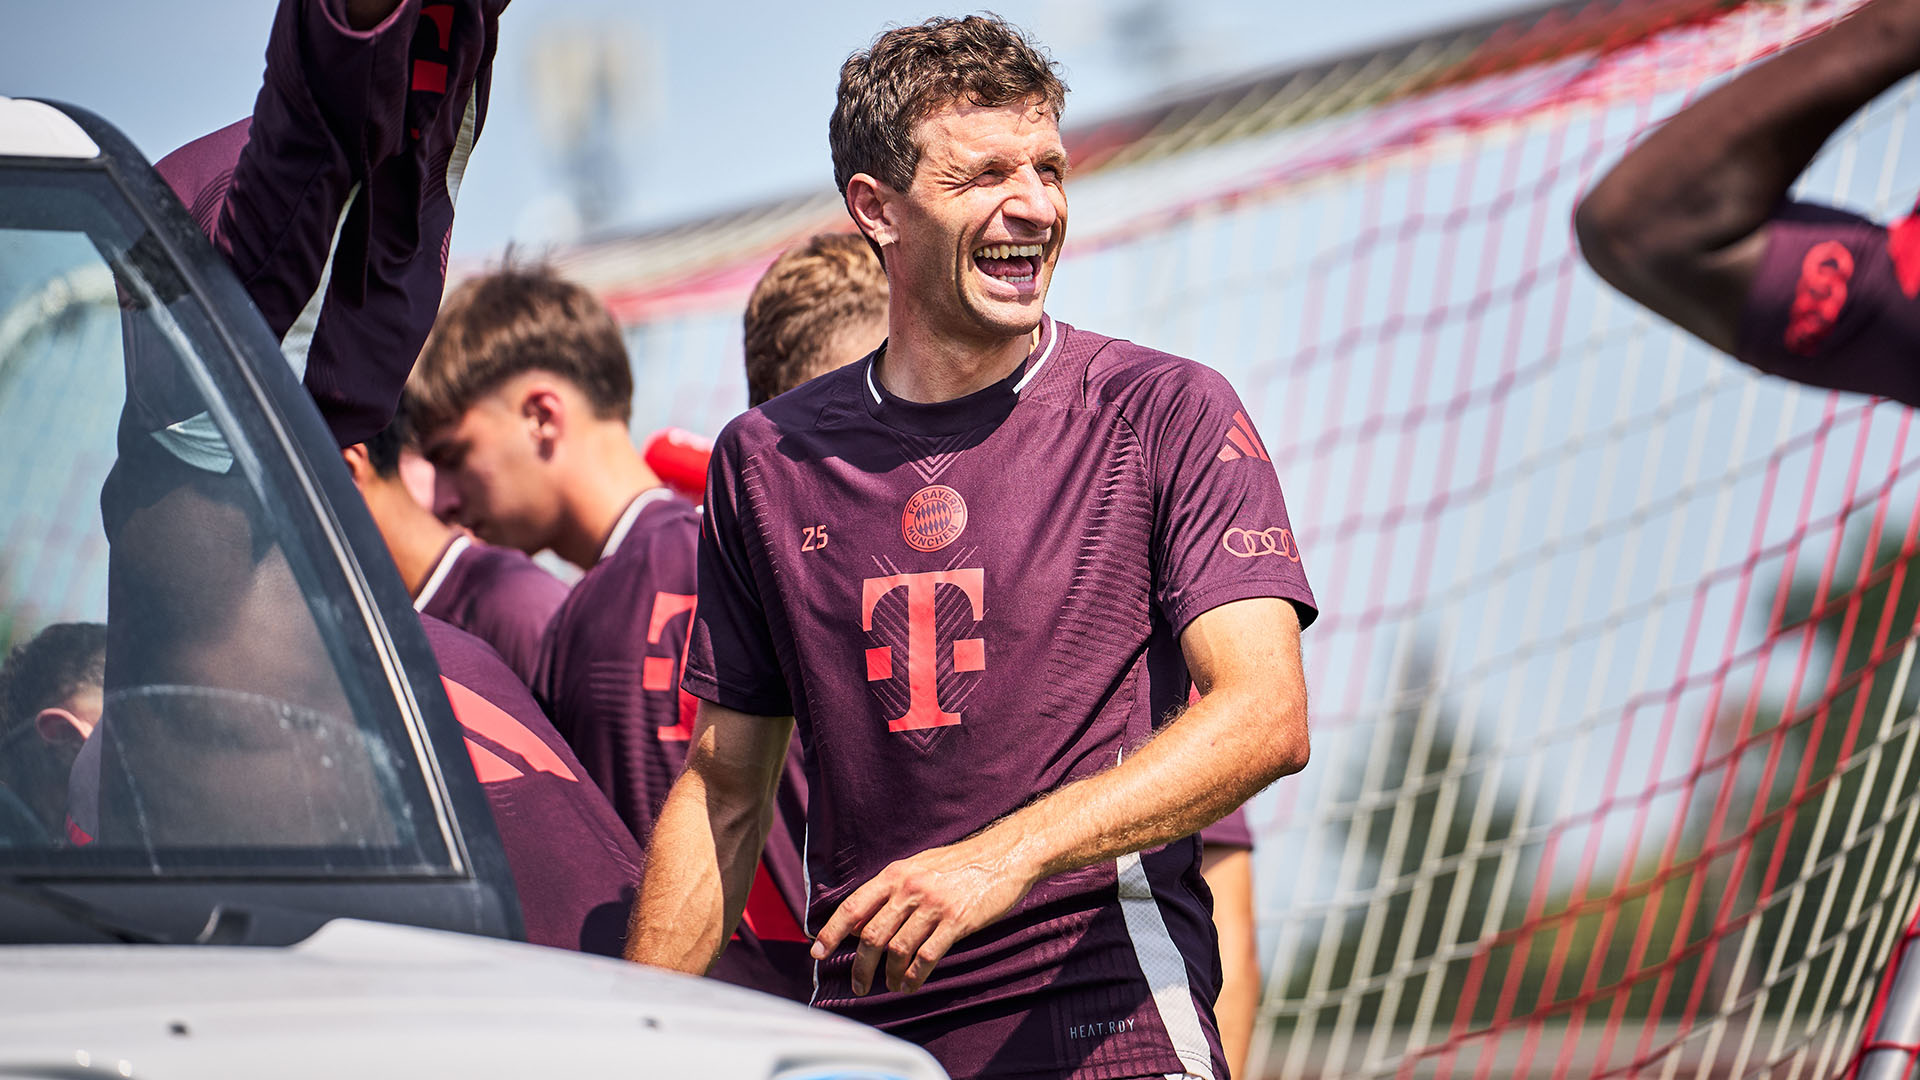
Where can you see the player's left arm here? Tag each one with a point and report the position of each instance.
(1248, 729)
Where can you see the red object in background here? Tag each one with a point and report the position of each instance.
(679, 458)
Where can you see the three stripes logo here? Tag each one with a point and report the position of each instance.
(1242, 442)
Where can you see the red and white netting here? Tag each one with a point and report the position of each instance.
(1614, 727)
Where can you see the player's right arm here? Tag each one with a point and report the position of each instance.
(1682, 224)
(709, 836)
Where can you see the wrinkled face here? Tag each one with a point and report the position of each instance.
(980, 228)
(490, 473)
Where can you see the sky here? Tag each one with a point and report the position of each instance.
(721, 104)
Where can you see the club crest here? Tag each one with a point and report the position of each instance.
(935, 517)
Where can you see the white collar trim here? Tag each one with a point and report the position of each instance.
(440, 571)
(628, 516)
(1051, 337)
(1048, 335)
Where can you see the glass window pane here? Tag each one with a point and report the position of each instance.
(189, 688)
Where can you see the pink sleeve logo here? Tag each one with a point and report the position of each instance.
(1819, 296)
(1252, 543)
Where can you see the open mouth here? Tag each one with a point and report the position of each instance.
(1015, 264)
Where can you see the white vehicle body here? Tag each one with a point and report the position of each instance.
(278, 957)
(374, 1001)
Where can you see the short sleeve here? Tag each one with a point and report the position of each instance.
(1221, 529)
(1833, 303)
(731, 659)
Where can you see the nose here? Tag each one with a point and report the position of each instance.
(1032, 202)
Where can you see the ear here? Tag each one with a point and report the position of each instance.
(357, 464)
(871, 202)
(61, 728)
(545, 414)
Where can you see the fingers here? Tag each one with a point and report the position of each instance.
(851, 915)
(876, 941)
(904, 947)
(930, 952)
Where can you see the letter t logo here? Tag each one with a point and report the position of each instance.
(923, 673)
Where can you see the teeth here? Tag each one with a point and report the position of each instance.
(1008, 251)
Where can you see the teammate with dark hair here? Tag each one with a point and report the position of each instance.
(50, 699)
(982, 569)
(522, 396)
(1696, 223)
(497, 594)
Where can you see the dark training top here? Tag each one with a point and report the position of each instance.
(610, 680)
(574, 864)
(334, 201)
(1836, 303)
(969, 603)
(496, 594)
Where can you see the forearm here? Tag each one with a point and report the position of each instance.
(707, 840)
(1714, 173)
(1680, 224)
(1223, 749)
(699, 868)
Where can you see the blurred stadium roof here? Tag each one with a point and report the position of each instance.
(721, 255)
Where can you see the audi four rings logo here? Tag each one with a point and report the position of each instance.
(1250, 543)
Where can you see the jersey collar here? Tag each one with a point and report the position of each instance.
(628, 516)
(988, 405)
(441, 569)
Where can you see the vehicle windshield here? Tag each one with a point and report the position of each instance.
(185, 690)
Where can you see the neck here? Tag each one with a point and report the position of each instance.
(607, 474)
(925, 367)
(414, 536)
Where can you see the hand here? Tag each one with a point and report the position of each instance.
(912, 912)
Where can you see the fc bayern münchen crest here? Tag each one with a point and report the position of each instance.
(934, 518)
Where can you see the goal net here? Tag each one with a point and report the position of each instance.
(1612, 700)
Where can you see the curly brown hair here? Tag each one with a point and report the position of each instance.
(805, 300)
(910, 72)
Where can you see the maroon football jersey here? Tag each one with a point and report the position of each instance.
(609, 678)
(966, 604)
(496, 594)
(1836, 303)
(574, 864)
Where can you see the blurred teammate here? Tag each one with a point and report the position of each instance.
(522, 398)
(821, 305)
(978, 568)
(50, 691)
(378, 112)
(574, 864)
(333, 203)
(494, 593)
(1696, 222)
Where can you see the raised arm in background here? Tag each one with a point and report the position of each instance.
(1695, 222)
